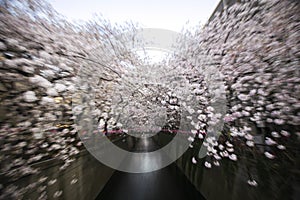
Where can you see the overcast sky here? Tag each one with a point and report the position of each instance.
(167, 14)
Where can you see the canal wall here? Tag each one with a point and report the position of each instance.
(42, 156)
(251, 38)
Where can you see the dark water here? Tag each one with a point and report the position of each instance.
(277, 179)
(167, 183)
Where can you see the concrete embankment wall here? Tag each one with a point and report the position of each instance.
(83, 179)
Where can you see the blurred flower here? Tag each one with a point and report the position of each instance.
(252, 183)
(207, 164)
(269, 141)
(233, 157)
(285, 133)
(250, 143)
(275, 134)
(281, 147)
(194, 161)
(269, 155)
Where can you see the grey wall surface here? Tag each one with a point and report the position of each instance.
(82, 180)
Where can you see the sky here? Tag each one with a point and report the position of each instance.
(167, 14)
(164, 14)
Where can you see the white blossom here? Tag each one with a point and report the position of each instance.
(275, 134)
(216, 163)
(194, 161)
(269, 155)
(207, 164)
(269, 141)
(281, 147)
(285, 133)
(233, 157)
(29, 96)
(191, 139)
(252, 183)
(250, 143)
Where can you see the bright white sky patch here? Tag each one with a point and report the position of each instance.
(166, 14)
(154, 56)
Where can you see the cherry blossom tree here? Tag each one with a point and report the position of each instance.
(51, 68)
